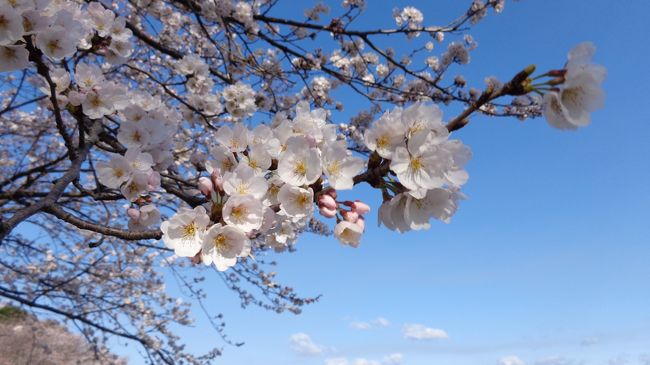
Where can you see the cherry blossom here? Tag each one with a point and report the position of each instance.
(222, 245)
(184, 231)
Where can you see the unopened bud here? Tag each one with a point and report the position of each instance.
(327, 212)
(331, 192)
(326, 200)
(133, 213)
(360, 207)
(217, 180)
(206, 186)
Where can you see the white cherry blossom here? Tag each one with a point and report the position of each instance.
(348, 233)
(236, 139)
(580, 94)
(300, 163)
(184, 231)
(222, 245)
(115, 172)
(296, 202)
(244, 212)
(11, 25)
(340, 167)
(386, 134)
(13, 58)
(244, 181)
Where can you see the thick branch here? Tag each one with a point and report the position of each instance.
(60, 213)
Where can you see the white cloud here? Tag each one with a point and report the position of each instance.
(421, 332)
(553, 360)
(360, 325)
(302, 344)
(375, 323)
(510, 360)
(392, 359)
(381, 322)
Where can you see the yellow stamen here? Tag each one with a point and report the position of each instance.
(300, 168)
(220, 242)
(189, 230)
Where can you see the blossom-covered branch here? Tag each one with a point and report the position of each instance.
(209, 134)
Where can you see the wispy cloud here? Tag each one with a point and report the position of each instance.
(303, 344)
(392, 359)
(375, 323)
(511, 360)
(420, 332)
(588, 341)
(554, 360)
(360, 325)
(621, 359)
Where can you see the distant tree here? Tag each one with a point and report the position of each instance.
(24, 339)
(215, 126)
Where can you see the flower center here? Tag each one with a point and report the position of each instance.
(572, 95)
(300, 168)
(238, 213)
(220, 242)
(53, 45)
(189, 230)
(382, 142)
(334, 167)
(227, 165)
(242, 189)
(303, 199)
(415, 164)
(95, 101)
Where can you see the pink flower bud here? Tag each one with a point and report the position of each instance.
(133, 213)
(361, 223)
(350, 216)
(327, 201)
(331, 192)
(205, 185)
(217, 180)
(360, 207)
(327, 212)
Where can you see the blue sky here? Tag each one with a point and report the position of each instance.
(547, 260)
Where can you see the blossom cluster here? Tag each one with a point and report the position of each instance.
(58, 30)
(146, 131)
(262, 186)
(428, 165)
